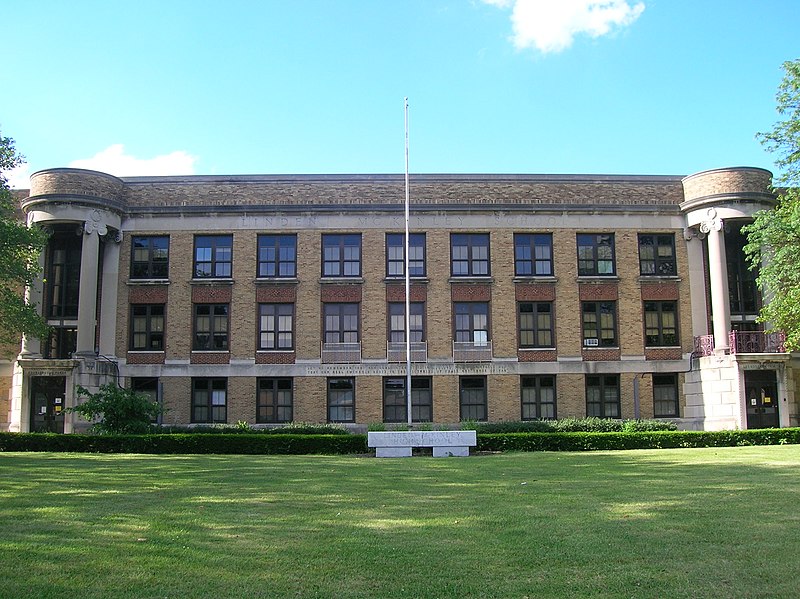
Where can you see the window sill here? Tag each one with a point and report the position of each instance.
(275, 351)
(340, 280)
(276, 281)
(146, 351)
(401, 279)
(596, 278)
(478, 279)
(534, 349)
(535, 279)
(145, 282)
(211, 281)
(647, 278)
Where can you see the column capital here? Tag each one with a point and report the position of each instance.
(712, 221)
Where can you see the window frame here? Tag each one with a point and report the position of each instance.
(600, 309)
(341, 259)
(279, 243)
(149, 332)
(472, 242)
(212, 332)
(151, 262)
(536, 331)
(343, 331)
(423, 385)
(217, 263)
(661, 266)
(348, 406)
(534, 399)
(609, 395)
(527, 262)
(397, 310)
(277, 311)
(275, 389)
(211, 385)
(661, 335)
(395, 266)
(669, 381)
(467, 411)
(589, 255)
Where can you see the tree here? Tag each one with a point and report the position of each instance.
(118, 411)
(20, 246)
(773, 238)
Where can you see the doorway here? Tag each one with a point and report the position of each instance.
(761, 396)
(47, 404)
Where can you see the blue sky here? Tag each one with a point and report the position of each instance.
(312, 86)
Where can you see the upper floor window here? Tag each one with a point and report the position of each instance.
(660, 324)
(147, 327)
(397, 321)
(395, 254)
(469, 254)
(535, 324)
(210, 327)
(341, 255)
(276, 326)
(472, 322)
(277, 256)
(213, 256)
(596, 254)
(599, 324)
(63, 260)
(657, 255)
(341, 323)
(533, 254)
(150, 257)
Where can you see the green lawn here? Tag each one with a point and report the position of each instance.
(661, 523)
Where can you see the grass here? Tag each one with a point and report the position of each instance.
(719, 522)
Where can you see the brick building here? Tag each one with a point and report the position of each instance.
(273, 298)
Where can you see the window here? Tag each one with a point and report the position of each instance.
(150, 257)
(599, 324)
(665, 395)
(472, 398)
(210, 327)
(538, 397)
(341, 255)
(660, 324)
(472, 322)
(602, 396)
(147, 327)
(209, 400)
(60, 344)
(213, 256)
(341, 323)
(533, 255)
(657, 255)
(395, 254)
(535, 324)
(595, 254)
(63, 273)
(147, 386)
(277, 256)
(397, 321)
(341, 400)
(394, 399)
(276, 326)
(469, 254)
(274, 400)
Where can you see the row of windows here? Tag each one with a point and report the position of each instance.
(341, 324)
(538, 398)
(341, 255)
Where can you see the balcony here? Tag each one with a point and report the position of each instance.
(743, 342)
(341, 353)
(396, 351)
(472, 351)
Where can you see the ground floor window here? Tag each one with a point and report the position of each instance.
(394, 399)
(274, 400)
(665, 395)
(472, 398)
(341, 400)
(602, 396)
(209, 400)
(147, 386)
(538, 397)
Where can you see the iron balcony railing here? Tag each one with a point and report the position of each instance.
(472, 351)
(341, 353)
(396, 351)
(743, 342)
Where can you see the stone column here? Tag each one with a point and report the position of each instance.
(32, 346)
(718, 274)
(108, 310)
(87, 299)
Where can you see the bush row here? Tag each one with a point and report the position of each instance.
(576, 425)
(292, 428)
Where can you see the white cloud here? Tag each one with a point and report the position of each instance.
(19, 177)
(114, 161)
(551, 25)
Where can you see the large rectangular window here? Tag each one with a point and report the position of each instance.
(535, 324)
(397, 321)
(213, 256)
(599, 324)
(274, 400)
(602, 396)
(341, 400)
(61, 286)
(150, 257)
(395, 254)
(596, 254)
(472, 398)
(538, 397)
(472, 322)
(210, 327)
(657, 255)
(341, 255)
(533, 254)
(147, 386)
(395, 404)
(665, 396)
(660, 324)
(469, 254)
(276, 326)
(341, 323)
(209, 400)
(147, 327)
(277, 256)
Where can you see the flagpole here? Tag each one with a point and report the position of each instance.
(408, 284)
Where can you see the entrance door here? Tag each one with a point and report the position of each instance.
(47, 404)
(761, 395)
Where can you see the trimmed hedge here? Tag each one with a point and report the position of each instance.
(576, 425)
(293, 428)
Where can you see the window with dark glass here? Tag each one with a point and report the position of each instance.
(150, 257)
(657, 255)
(397, 321)
(341, 400)
(275, 399)
(538, 397)
(599, 324)
(210, 327)
(395, 403)
(341, 255)
(660, 324)
(61, 343)
(602, 396)
(533, 254)
(63, 261)
(535, 324)
(209, 400)
(341, 323)
(147, 327)
(395, 254)
(148, 386)
(665, 395)
(472, 398)
(276, 326)
(596, 254)
(213, 256)
(472, 322)
(277, 256)
(469, 254)
(743, 291)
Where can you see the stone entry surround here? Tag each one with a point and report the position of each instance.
(398, 444)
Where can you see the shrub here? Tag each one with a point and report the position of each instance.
(575, 425)
(117, 410)
(241, 427)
